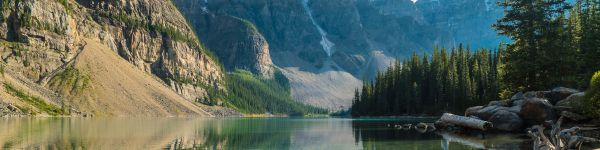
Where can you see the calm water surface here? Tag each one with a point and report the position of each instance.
(236, 133)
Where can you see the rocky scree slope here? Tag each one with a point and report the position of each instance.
(41, 39)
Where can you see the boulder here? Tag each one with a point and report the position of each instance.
(515, 109)
(517, 99)
(487, 112)
(559, 93)
(572, 103)
(503, 103)
(441, 125)
(471, 111)
(535, 111)
(518, 96)
(517, 102)
(504, 120)
(12, 108)
(421, 126)
(535, 94)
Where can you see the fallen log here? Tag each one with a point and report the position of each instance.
(466, 121)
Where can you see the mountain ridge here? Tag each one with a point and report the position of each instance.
(40, 38)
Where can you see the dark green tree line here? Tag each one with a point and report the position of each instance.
(420, 85)
(554, 43)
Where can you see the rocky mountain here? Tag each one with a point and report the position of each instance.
(326, 47)
(166, 58)
(113, 58)
(236, 42)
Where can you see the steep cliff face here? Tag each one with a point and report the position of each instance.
(42, 39)
(236, 42)
(314, 41)
(154, 36)
(284, 24)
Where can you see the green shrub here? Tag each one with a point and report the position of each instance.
(25, 17)
(71, 81)
(34, 101)
(593, 96)
(3, 6)
(67, 6)
(2, 68)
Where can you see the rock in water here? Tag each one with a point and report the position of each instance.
(504, 120)
(536, 111)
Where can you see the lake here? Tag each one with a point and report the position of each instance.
(236, 133)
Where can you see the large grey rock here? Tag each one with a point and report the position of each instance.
(503, 103)
(506, 121)
(487, 112)
(535, 111)
(518, 102)
(515, 109)
(572, 103)
(518, 96)
(472, 111)
(559, 93)
(536, 94)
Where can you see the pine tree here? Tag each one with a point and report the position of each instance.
(534, 26)
(590, 39)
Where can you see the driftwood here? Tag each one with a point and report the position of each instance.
(560, 139)
(466, 121)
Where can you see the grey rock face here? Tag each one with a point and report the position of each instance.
(150, 34)
(236, 42)
(357, 27)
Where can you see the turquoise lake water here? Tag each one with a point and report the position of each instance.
(237, 133)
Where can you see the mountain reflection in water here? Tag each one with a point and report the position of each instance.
(235, 133)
